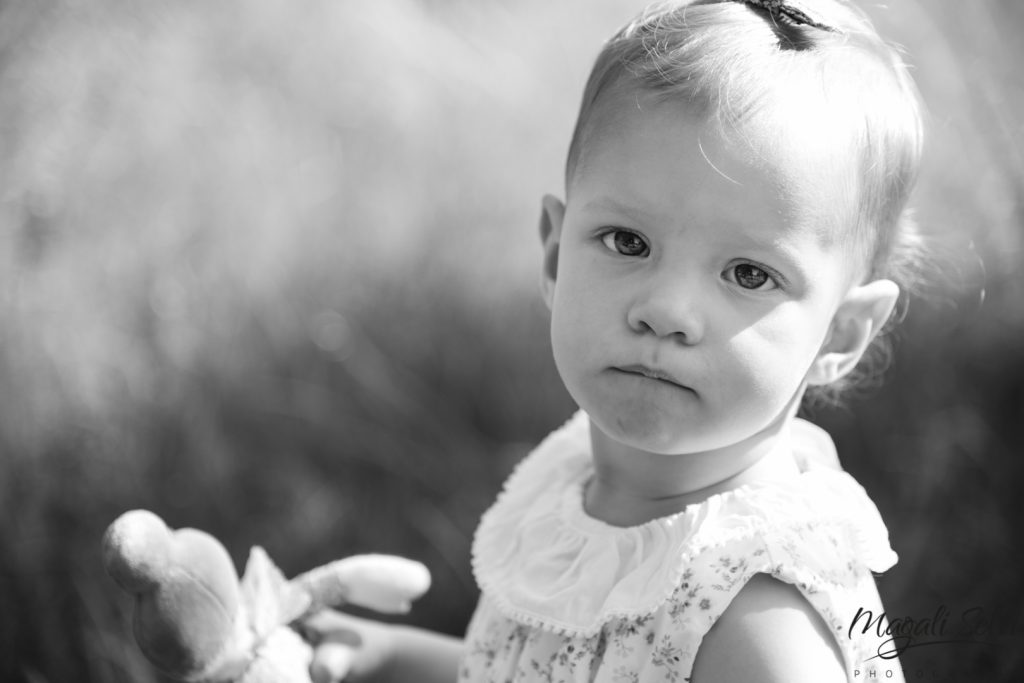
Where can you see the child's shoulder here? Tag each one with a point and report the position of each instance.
(768, 633)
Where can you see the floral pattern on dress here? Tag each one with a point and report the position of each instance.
(660, 646)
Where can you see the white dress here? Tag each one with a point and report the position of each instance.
(566, 597)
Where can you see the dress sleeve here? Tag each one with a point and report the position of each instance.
(829, 559)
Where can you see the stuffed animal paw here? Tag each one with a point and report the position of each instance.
(196, 621)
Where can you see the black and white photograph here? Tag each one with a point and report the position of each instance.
(555, 341)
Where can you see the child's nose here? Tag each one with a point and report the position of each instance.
(669, 309)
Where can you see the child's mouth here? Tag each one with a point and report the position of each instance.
(651, 373)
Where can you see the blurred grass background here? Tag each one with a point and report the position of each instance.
(269, 269)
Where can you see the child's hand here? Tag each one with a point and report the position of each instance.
(346, 647)
(352, 649)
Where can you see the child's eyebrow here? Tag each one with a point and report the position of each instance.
(777, 243)
(611, 205)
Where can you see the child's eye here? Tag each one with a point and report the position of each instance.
(749, 276)
(625, 242)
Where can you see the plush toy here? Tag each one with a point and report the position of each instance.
(196, 621)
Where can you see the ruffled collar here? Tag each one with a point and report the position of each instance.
(545, 562)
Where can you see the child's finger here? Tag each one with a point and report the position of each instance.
(331, 662)
(333, 625)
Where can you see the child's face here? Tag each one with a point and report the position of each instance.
(693, 289)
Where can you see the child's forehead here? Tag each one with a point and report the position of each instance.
(783, 129)
(805, 158)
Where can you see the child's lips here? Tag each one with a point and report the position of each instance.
(651, 373)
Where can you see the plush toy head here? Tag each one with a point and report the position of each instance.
(196, 621)
(185, 587)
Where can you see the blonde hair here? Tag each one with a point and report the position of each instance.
(735, 64)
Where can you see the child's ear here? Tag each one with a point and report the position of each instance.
(551, 215)
(859, 318)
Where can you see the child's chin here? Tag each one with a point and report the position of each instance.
(653, 431)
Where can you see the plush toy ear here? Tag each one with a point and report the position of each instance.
(383, 583)
(859, 318)
(551, 217)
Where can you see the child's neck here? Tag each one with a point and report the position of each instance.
(631, 487)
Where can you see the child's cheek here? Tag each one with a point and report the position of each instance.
(773, 359)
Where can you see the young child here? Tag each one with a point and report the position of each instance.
(733, 236)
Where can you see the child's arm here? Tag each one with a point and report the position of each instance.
(769, 634)
(381, 653)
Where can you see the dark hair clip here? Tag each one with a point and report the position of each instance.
(787, 12)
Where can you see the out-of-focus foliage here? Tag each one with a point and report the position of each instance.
(269, 268)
